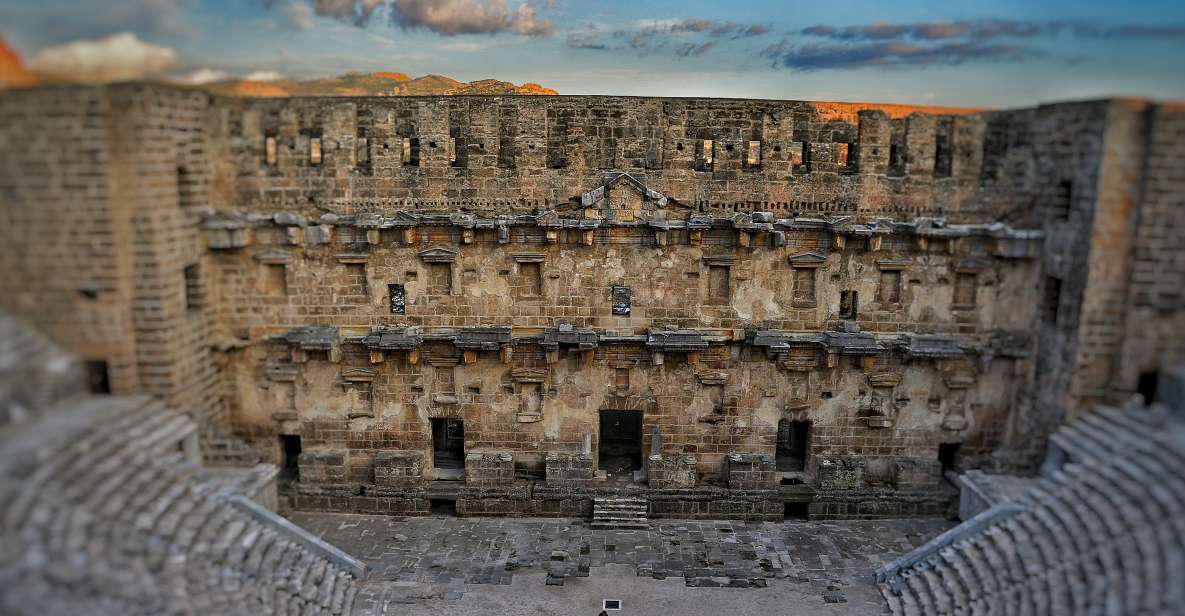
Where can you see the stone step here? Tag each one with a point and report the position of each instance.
(619, 525)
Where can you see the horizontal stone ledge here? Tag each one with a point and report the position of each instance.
(749, 222)
(775, 342)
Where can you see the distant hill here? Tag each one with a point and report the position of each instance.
(13, 73)
(371, 84)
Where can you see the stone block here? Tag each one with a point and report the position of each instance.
(569, 469)
(323, 466)
(489, 468)
(916, 473)
(840, 473)
(751, 471)
(398, 469)
(671, 471)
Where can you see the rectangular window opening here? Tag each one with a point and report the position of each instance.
(440, 278)
(804, 284)
(398, 297)
(622, 301)
(965, 289)
(718, 283)
(290, 452)
(356, 283)
(848, 304)
(890, 286)
(448, 442)
(532, 278)
(315, 151)
(97, 377)
(269, 149)
(411, 152)
(948, 454)
(1062, 200)
(621, 379)
(193, 287)
(793, 440)
(705, 155)
(1053, 298)
(275, 278)
(753, 155)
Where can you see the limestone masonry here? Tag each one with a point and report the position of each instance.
(725, 309)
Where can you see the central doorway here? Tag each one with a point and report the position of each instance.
(448, 443)
(620, 446)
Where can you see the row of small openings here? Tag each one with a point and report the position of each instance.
(409, 151)
(799, 155)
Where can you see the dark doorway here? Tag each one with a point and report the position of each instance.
(793, 437)
(96, 376)
(796, 511)
(620, 448)
(443, 507)
(947, 455)
(290, 465)
(1147, 386)
(448, 442)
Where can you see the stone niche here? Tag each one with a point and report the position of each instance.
(840, 473)
(751, 471)
(916, 473)
(671, 471)
(485, 469)
(323, 467)
(398, 469)
(569, 469)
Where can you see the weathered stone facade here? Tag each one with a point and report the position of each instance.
(800, 311)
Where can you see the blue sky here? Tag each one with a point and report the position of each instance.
(956, 52)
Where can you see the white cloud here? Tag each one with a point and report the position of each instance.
(298, 16)
(119, 57)
(202, 75)
(264, 76)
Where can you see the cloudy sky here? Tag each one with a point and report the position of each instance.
(950, 52)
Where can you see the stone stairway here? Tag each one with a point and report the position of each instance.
(620, 512)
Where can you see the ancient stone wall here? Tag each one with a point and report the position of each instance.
(347, 270)
(100, 189)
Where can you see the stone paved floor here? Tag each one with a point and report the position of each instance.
(422, 559)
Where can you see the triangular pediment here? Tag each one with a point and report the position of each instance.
(806, 259)
(437, 255)
(626, 197)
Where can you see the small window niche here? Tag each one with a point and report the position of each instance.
(440, 278)
(290, 452)
(719, 280)
(753, 155)
(275, 279)
(269, 150)
(896, 159)
(193, 287)
(1052, 299)
(805, 267)
(362, 150)
(705, 155)
(943, 152)
(1063, 199)
(361, 399)
(439, 265)
(889, 290)
(314, 150)
(849, 301)
(966, 287)
(795, 154)
(622, 301)
(845, 157)
(804, 285)
(97, 377)
(411, 152)
(355, 279)
(397, 295)
(621, 379)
